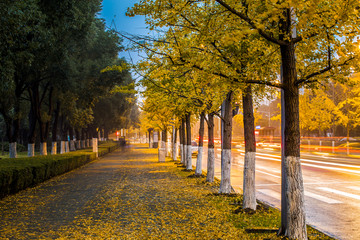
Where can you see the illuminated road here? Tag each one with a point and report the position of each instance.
(332, 187)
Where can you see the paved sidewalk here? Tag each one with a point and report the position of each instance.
(125, 195)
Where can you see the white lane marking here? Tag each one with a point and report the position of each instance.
(350, 195)
(331, 157)
(268, 184)
(277, 195)
(312, 161)
(321, 198)
(329, 163)
(316, 166)
(270, 193)
(354, 188)
(271, 149)
(268, 158)
(268, 169)
(331, 168)
(268, 174)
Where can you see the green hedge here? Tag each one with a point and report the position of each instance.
(20, 173)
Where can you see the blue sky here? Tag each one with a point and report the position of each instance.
(115, 10)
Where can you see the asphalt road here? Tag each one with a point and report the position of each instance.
(332, 187)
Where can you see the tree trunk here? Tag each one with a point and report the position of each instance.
(175, 144)
(225, 183)
(32, 134)
(172, 142)
(165, 142)
(44, 125)
(183, 142)
(12, 150)
(13, 127)
(250, 151)
(149, 138)
(211, 152)
(78, 141)
(72, 142)
(106, 134)
(53, 148)
(43, 136)
(2, 145)
(83, 138)
(66, 138)
(54, 129)
(89, 137)
(198, 170)
(293, 190)
(188, 143)
(43, 148)
(162, 148)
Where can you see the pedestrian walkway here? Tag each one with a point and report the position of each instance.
(128, 195)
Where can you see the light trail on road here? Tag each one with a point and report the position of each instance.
(332, 187)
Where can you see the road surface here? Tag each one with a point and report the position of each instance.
(332, 187)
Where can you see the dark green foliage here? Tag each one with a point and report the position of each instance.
(19, 147)
(20, 173)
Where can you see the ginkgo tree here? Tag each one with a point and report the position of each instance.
(205, 45)
(315, 39)
(317, 111)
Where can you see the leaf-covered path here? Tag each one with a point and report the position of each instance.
(125, 195)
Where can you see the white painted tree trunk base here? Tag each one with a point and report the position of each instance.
(12, 150)
(95, 147)
(249, 191)
(174, 153)
(210, 165)
(198, 170)
(225, 183)
(67, 146)
(83, 144)
(78, 144)
(31, 149)
(188, 157)
(182, 154)
(53, 148)
(162, 154)
(90, 142)
(72, 145)
(87, 142)
(178, 151)
(296, 224)
(167, 152)
(43, 148)
(62, 147)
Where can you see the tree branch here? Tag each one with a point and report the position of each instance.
(251, 23)
(326, 69)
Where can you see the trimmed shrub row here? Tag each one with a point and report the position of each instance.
(20, 173)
